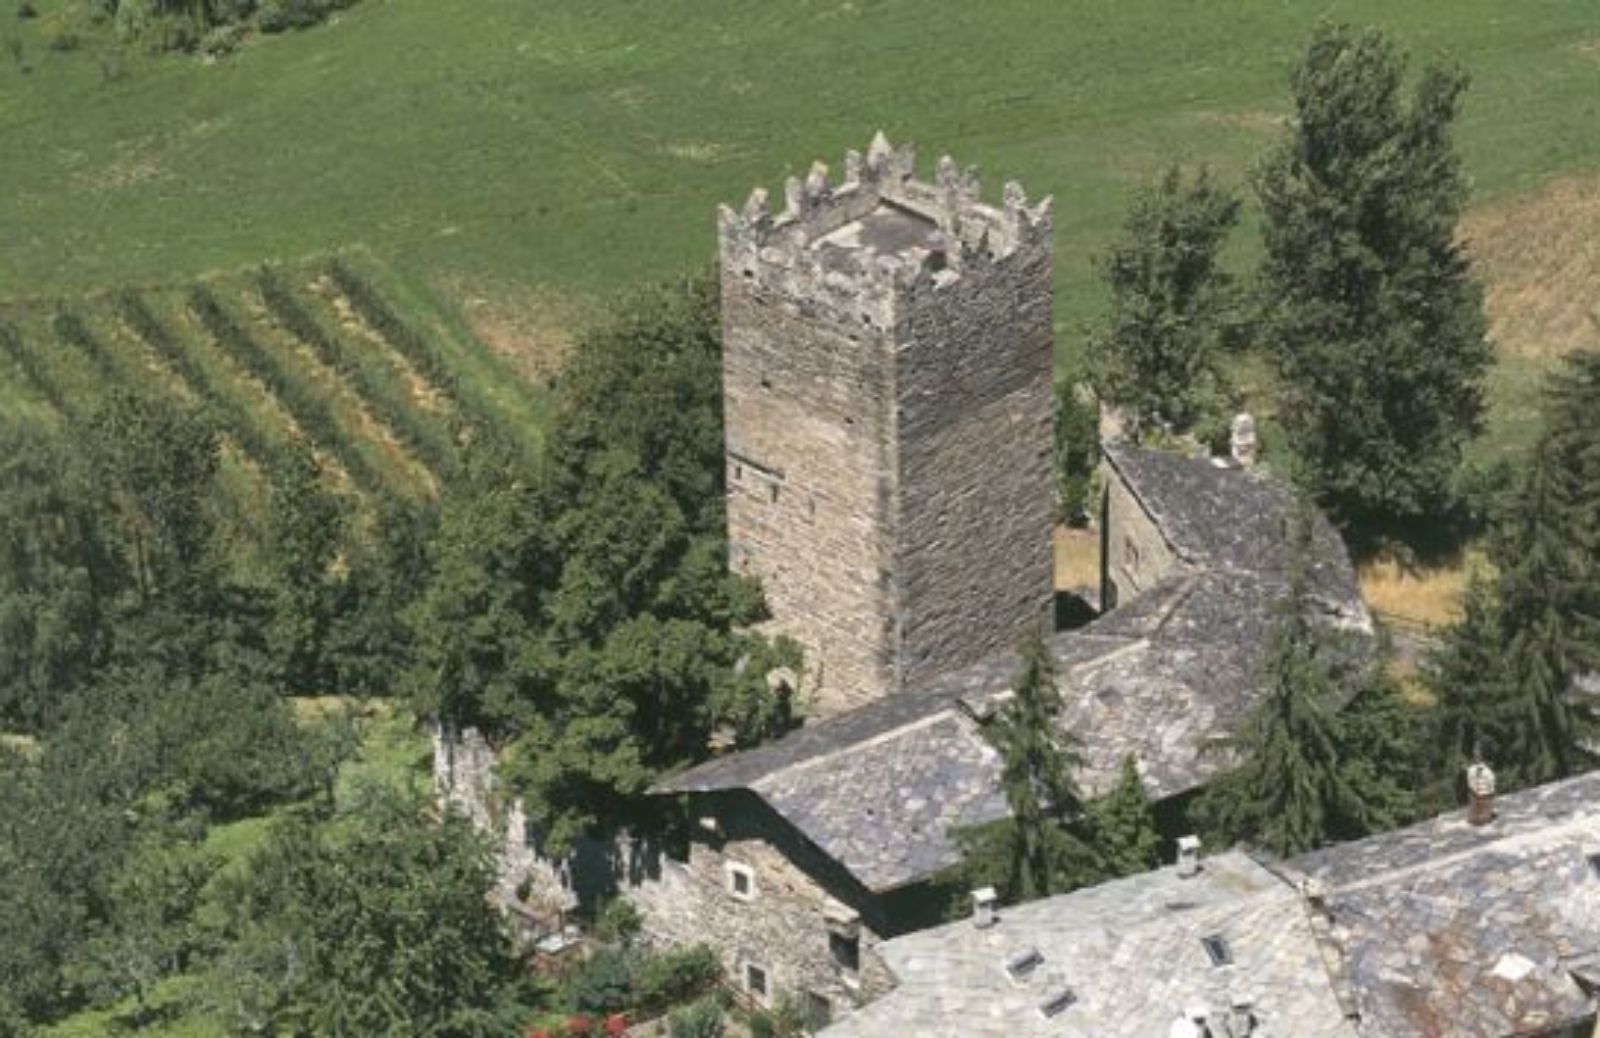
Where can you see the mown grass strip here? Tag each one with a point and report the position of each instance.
(309, 408)
(37, 378)
(382, 390)
(373, 309)
(69, 329)
(369, 305)
(249, 435)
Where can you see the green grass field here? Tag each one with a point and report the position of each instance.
(529, 157)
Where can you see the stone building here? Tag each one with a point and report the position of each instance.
(853, 816)
(1471, 925)
(888, 407)
(889, 410)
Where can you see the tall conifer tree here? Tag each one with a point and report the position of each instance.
(1509, 678)
(1299, 785)
(1377, 324)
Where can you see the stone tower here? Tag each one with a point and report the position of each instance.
(888, 403)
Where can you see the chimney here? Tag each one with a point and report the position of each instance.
(1188, 856)
(1243, 441)
(983, 905)
(1241, 1016)
(1480, 794)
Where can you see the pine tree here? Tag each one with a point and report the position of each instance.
(1376, 321)
(1507, 677)
(1295, 788)
(1044, 846)
(1171, 306)
(1125, 831)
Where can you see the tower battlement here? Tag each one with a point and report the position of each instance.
(878, 232)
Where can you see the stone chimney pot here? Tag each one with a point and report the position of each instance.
(984, 901)
(1243, 440)
(1480, 794)
(1188, 856)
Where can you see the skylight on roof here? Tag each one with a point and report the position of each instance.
(1217, 949)
(1057, 1003)
(1021, 965)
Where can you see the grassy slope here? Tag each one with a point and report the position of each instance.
(583, 144)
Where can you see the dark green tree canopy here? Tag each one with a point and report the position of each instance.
(1375, 320)
(1508, 678)
(373, 924)
(584, 613)
(1173, 309)
(1303, 778)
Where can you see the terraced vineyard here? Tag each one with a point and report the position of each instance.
(328, 353)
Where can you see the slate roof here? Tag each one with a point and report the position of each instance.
(1131, 953)
(1163, 678)
(1451, 929)
(1441, 929)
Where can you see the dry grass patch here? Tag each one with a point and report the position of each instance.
(1077, 556)
(1259, 120)
(1539, 258)
(1429, 596)
(531, 327)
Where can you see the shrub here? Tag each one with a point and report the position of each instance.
(619, 922)
(62, 32)
(223, 39)
(25, 9)
(672, 976)
(282, 15)
(702, 1019)
(604, 984)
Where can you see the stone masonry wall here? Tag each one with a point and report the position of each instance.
(782, 928)
(976, 508)
(464, 781)
(805, 398)
(1136, 554)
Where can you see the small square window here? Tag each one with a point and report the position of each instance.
(817, 1010)
(741, 881)
(846, 951)
(1594, 863)
(755, 980)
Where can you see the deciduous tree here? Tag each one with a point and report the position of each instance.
(1173, 308)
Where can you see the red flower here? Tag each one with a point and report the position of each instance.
(578, 1025)
(616, 1025)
